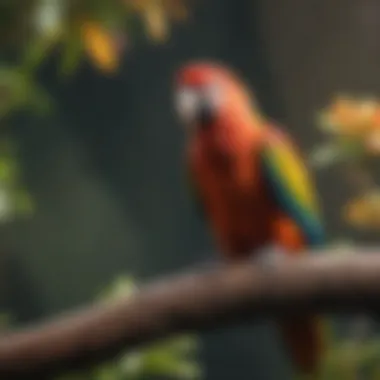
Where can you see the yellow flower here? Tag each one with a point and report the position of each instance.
(376, 117)
(372, 137)
(372, 142)
(364, 212)
(356, 214)
(100, 46)
(351, 117)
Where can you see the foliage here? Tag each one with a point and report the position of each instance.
(14, 199)
(349, 357)
(171, 358)
(32, 31)
(101, 30)
(98, 30)
(352, 125)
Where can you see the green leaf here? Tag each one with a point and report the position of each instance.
(108, 372)
(181, 345)
(167, 358)
(5, 320)
(49, 16)
(19, 91)
(161, 364)
(325, 124)
(326, 155)
(72, 51)
(40, 102)
(122, 286)
(24, 204)
(7, 170)
(338, 151)
(35, 53)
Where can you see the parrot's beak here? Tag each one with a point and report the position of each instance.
(205, 115)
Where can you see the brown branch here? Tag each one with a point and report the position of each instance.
(189, 302)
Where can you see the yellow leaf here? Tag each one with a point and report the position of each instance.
(156, 22)
(100, 47)
(137, 5)
(176, 9)
(356, 214)
(156, 15)
(364, 212)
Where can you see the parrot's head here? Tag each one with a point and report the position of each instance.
(206, 93)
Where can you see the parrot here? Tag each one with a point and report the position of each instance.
(251, 185)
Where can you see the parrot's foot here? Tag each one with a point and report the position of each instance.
(269, 257)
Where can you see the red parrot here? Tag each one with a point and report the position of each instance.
(250, 183)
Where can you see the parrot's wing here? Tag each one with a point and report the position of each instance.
(289, 179)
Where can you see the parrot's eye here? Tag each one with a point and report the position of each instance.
(187, 102)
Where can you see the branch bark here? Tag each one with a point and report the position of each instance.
(193, 302)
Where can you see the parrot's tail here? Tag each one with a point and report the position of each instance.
(304, 342)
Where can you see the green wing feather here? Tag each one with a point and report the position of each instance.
(292, 188)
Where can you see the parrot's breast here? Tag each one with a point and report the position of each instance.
(235, 199)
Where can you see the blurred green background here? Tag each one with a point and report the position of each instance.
(92, 152)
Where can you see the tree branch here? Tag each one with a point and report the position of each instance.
(189, 302)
